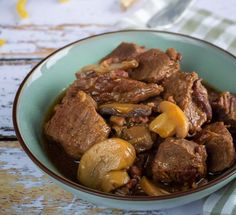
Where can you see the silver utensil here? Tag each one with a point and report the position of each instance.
(170, 14)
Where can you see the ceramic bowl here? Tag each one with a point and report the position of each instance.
(53, 74)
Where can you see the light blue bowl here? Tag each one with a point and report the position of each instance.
(56, 72)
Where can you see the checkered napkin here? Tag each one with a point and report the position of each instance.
(210, 27)
(195, 22)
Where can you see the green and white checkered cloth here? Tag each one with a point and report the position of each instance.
(210, 27)
(195, 22)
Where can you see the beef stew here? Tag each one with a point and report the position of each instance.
(135, 124)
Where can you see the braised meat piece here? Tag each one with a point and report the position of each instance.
(186, 90)
(224, 108)
(173, 54)
(115, 87)
(122, 52)
(179, 161)
(154, 66)
(219, 146)
(92, 73)
(154, 103)
(139, 136)
(200, 97)
(125, 110)
(76, 125)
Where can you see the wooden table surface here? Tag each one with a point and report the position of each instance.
(24, 189)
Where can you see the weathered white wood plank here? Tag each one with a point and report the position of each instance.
(34, 41)
(11, 74)
(51, 25)
(75, 11)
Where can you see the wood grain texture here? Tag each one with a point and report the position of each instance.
(37, 41)
(12, 72)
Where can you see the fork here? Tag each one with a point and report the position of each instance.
(170, 14)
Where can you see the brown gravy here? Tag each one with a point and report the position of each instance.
(67, 166)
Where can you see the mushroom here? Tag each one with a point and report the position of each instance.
(151, 189)
(105, 67)
(171, 122)
(139, 136)
(104, 165)
(114, 179)
(125, 110)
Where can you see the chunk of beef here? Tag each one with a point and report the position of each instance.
(122, 52)
(154, 66)
(125, 110)
(200, 97)
(139, 136)
(219, 146)
(173, 54)
(154, 103)
(113, 87)
(186, 90)
(224, 108)
(179, 161)
(76, 125)
(84, 75)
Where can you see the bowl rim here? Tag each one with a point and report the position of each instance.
(90, 191)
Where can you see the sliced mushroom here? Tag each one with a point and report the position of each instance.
(104, 67)
(151, 189)
(125, 110)
(104, 165)
(114, 179)
(171, 122)
(139, 136)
